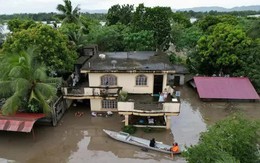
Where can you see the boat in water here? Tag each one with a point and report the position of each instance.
(144, 143)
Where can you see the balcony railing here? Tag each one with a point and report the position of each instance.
(167, 107)
(91, 91)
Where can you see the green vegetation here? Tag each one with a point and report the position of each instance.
(68, 14)
(54, 48)
(129, 129)
(123, 95)
(120, 14)
(231, 140)
(174, 59)
(25, 84)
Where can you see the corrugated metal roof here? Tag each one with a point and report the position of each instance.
(20, 122)
(225, 88)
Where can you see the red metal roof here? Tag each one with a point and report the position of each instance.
(239, 88)
(20, 122)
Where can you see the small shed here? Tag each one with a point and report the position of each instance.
(20, 122)
(225, 88)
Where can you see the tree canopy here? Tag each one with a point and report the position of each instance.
(16, 25)
(54, 48)
(25, 84)
(231, 140)
(221, 50)
(120, 14)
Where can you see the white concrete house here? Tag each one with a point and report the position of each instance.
(143, 74)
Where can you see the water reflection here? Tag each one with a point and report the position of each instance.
(187, 127)
(117, 152)
(2, 160)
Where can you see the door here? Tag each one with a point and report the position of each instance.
(177, 80)
(157, 84)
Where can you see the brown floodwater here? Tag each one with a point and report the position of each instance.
(81, 139)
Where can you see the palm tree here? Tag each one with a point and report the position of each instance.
(78, 39)
(68, 15)
(25, 84)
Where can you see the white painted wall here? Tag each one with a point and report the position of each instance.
(125, 80)
(182, 79)
(164, 81)
(95, 104)
(125, 106)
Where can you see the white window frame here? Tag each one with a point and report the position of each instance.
(109, 104)
(108, 80)
(141, 80)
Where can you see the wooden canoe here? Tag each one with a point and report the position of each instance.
(141, 142)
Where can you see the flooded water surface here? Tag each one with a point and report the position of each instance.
(81, 139)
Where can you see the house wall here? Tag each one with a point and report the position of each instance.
(182, 79)
(95, 104)
(170, 78)
(127, 81)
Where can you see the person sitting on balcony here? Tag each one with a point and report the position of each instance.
(165, 94)
(161, 99)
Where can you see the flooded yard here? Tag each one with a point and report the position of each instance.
(81, 139)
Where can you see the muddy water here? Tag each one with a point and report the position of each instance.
(81, 139)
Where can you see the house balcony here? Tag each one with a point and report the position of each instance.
(146, 111)
(91, 92)
(146, 105)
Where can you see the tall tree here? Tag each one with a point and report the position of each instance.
(181, 18)
(138, 18)
(25, 84)
(220, 51)
(54, 48)
(155, 19)
(158, 20)
(208, 22)
(120, 14)
(16, 25)
(251, 64)
(108, 38)
(68, 14)
(139, 41)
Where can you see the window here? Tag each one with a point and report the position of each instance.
(141, 80)
(108, 80)
(109, 104)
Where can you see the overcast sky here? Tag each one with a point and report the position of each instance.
(35, 6)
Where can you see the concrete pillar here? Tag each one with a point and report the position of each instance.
(168, 122)
(65, 91)
(164, 81)
(182, 79)
(126, 120)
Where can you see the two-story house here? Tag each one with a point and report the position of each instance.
(143, 75)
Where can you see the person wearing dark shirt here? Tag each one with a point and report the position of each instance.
(152, 142)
